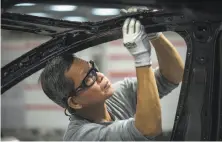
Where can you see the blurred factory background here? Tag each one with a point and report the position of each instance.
(27, 113)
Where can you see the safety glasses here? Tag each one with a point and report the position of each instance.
(89, 79)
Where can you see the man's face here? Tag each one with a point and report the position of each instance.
(92, 86)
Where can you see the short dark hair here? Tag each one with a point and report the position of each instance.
(54, 82)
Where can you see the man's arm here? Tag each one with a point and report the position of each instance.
(148, 114)
(148, 111)
(170, 63)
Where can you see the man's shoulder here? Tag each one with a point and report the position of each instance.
(77, 121)
(127, 84)
(117, 130)
(78, 128)
(74, 125)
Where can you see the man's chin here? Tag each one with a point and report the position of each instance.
(109, 92)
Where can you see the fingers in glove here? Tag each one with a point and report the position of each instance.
(125, 26)
(138, 26)
(123, 11)
(132, 9)
(132, 26)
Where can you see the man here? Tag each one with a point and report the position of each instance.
(127, 110)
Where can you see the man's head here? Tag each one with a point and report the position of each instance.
(72, 82)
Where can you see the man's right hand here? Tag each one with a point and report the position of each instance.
(136, 41)
(151, 36)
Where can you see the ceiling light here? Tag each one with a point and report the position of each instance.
(105, 11)
(25, 4)
(38, 14)
(62, 7)
(75, 18)
(154, 10)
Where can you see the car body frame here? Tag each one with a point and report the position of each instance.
(199, 111)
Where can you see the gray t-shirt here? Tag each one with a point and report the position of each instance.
(122, 107)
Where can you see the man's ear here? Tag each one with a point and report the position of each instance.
(73, 103)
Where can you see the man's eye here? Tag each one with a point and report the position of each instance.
(89, 80)
(79, 90)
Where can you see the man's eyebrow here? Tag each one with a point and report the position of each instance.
(90, 66)
(85, 70)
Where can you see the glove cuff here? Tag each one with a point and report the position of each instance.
(142, 59)
(153, 36)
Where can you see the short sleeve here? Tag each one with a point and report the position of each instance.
(164, 86)
(121, 130)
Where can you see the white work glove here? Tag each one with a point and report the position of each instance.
(151, 36)
(137, 42)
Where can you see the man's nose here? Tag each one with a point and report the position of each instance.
(100, 77)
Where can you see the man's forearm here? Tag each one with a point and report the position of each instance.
(170, 63)
(148, 110)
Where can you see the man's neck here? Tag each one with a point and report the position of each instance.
(96, 113)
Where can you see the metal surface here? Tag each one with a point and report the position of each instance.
(218, 99)
(197, 5)
(80, 37)
(195, 118)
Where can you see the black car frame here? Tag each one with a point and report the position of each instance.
(199, 111)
